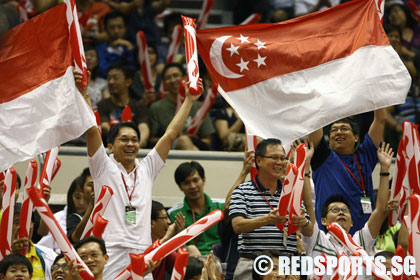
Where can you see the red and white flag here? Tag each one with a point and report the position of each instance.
(297, 76)
(7, 208)
(40, 106)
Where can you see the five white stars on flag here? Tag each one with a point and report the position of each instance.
(243, 65)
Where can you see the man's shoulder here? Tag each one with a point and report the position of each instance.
(176, 208)
(246, 185)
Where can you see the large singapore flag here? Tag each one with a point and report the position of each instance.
(40, 107)
(288, 79)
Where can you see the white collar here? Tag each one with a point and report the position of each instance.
(121, 167)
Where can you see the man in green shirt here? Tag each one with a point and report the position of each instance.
(191, 180)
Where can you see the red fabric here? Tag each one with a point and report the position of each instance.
(32, 47)
(167, 265)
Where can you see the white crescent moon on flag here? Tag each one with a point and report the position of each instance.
(217, 60)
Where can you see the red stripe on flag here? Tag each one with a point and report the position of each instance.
(40, 39)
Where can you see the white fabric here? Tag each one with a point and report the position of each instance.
(48, 240)
(49, 256)
(120, 261)
(42, 119)
(106, 171)
(321, 242)
(317, 96)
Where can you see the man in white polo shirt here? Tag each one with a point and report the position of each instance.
(129, 210)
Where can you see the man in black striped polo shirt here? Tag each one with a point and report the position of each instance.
(253, 209)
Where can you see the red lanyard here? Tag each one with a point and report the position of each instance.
(134, 186)
(362, 183)
(256, 184)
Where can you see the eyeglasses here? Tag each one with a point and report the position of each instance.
(276, 159)
(336, 210)
(58, 266)
(93, 255)
(165, 217)
(343, 129)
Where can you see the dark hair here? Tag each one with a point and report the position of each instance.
(186, 169)
(59, 256)
(17, 209)
(350, 121)
(91, 47)
(173, 64)
(14, 259)
(272, 253)
(262, 147)
(112, 15)
(83, 176)
(171, 20)
(124, 67)
(389, 28)
(89, 239)
(411, 22)
(194, 267)
(156, 208)
(115, 129)
(332, 199)
(386, 254)
(71, 208)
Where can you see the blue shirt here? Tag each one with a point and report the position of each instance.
(331, 178)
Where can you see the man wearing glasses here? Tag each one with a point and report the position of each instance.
(253, 209)
(337, 209)
(343, 168)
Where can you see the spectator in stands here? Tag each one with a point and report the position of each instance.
(162, 111)
(142, 18)
(116, 48)
(120, 77)
(93, 252)
(97, 85)
(253, 208)
(91, 20)
(282, 10)
(228, 236)
(347, 166)
(229, 128)
(190, 178)
(274, 273)
(163, 230)
(303, 7)
(400, 16)
(169, 23)
(76, 205)
(40, 257)
(60, 269)
(76, 223)
(15, 266)
(137, 87)
(337, 209)
(129, 209)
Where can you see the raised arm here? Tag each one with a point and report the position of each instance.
(175, 126)
(316, 137)
(376, 129)
(246, 168)
(381, 211)
(93, 137)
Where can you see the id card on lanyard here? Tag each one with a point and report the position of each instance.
(130, 210)
(364, 200)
